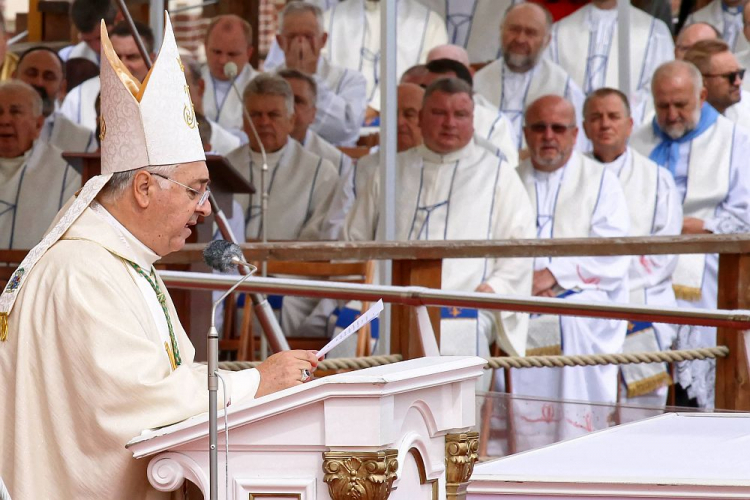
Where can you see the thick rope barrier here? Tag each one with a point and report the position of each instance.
(609, 359)
(326, 364)
(521, 362)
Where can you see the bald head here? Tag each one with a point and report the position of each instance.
(229, 38)
(410, 98)
(677, 87)
(692, 34)
(417, 75)
(449, 51)
(550, 130)
(524, 34)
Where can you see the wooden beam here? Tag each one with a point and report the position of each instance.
(469, 249)
(732, 380)
(426, 273)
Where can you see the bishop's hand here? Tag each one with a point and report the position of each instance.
(284, 369)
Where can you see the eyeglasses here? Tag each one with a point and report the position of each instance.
(203, 196)
(731, 76)
(557, 128)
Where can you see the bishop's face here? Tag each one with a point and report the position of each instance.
(447, 121)
(19, 127)
(273, 121)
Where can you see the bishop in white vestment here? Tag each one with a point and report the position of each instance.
(655, 209)
(726, 16)
(585, 44)
(91, 349)
(572, 197)
(441, 186)
(714, 200)
(521, 76)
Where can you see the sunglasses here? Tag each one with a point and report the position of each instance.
(731, 76)
(557, 128)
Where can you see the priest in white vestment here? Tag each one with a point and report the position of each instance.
(726, 16)
(655, 209)
(300, 184)
(43, 69)
(572, 197)
(522, 75)
(469, 22)
(79, 103)
(722, 79)
(449, 188)
(91, 349)
(35, 180)
(707, 156)
(743, 57)
(229, 38)
(353, 184)
(585, 44)
(341, 92)
(85, 16)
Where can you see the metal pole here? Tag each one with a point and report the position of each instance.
(623, 40)
(388, 106)
(156, 20)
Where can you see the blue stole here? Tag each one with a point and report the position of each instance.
(667, 153)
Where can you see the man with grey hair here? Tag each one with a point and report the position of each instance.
(35, 180)
(706, 154)
(521, 75)
(300, 184)
(450, 188)
(341, 93)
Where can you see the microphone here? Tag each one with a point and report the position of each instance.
(223, 255)
(231, 72)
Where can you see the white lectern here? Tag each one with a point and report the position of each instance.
(688, 455)
(401, 430)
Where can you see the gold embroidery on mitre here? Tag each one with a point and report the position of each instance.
(102, 128)
(182, 67)
(188, 112)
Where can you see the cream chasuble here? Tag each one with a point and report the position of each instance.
(494, 127)
(222, 141)
(354, 38)
(740, 113)
(728, 20)
(88, 313)
(585, 44)
(341, 103)
(299, 184)
(655, 210)
(718, 195)
(81, 49)
(580, 199)
(65, 135)
(221, 103)
(467, 194)
(33, 188)
(473, 25)
(511, 92)
(79, 103)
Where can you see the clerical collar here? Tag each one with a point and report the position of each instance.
(617, 160)
(432, 157)
(509, 74)
(616, 165)
(273, 158)
(141, 254)
(598, 15)
(9, 166)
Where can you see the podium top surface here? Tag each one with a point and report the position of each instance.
(672, 449)
(381, 381)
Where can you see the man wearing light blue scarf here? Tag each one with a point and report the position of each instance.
(706, 154)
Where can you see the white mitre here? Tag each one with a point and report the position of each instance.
(142, 124)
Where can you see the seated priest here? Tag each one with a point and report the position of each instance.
(707, 155)
(727, 17)
(43, 69)
(229, 38)
(655, 209)
(572, 197)
(341, 96)
(449, 188)
(722, 79)
(522, 75)
(92, 351)
(353, 183)
(586, 45)
(35, 180)
(300, 184)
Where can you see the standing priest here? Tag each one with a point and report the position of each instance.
(91, 348)
(707, 155)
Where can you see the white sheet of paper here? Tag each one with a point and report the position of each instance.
(372, 313)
